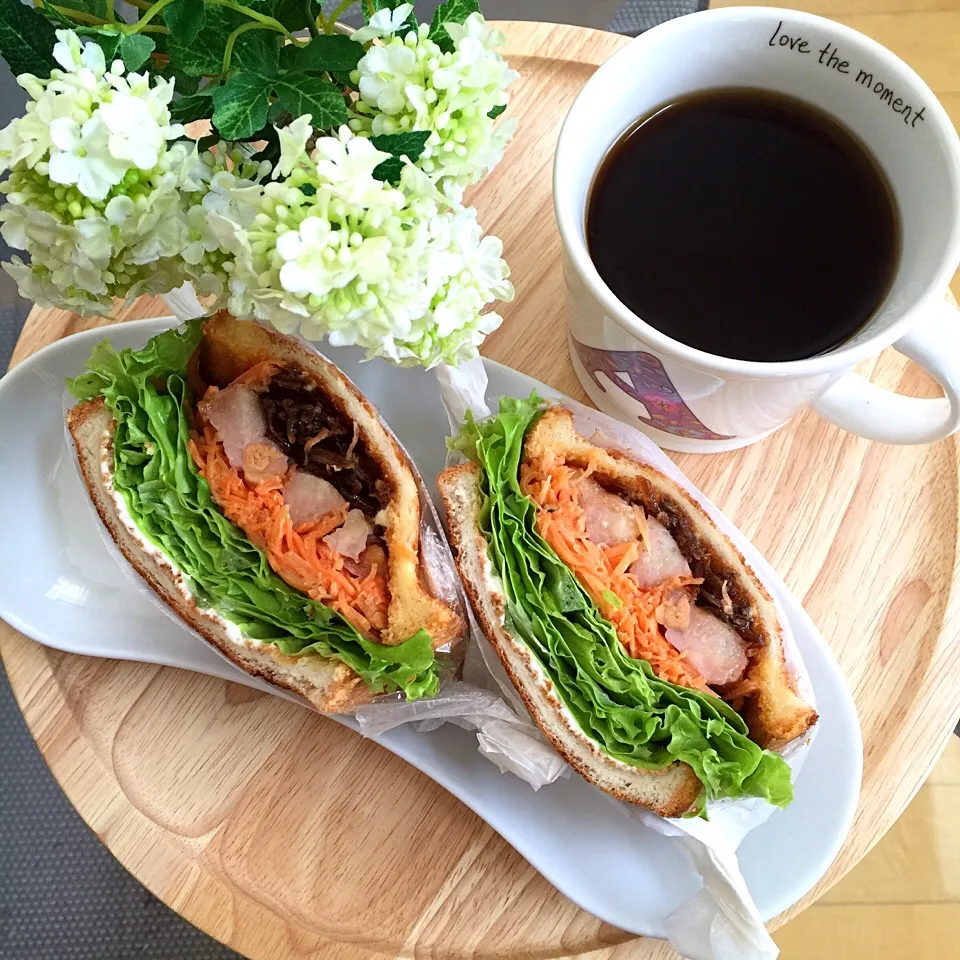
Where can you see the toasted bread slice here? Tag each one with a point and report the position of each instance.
(230, 347)
(669, 792)
(774, 712)
(331, 686)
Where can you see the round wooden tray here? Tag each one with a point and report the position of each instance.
(283, 834)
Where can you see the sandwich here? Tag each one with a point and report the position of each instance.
(258, 493)
(641, 642)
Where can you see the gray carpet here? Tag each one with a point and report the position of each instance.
(62, 894)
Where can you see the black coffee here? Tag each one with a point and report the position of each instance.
(747, 224)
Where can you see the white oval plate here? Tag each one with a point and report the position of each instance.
(62, 587)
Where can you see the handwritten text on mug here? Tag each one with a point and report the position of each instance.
(829, 57)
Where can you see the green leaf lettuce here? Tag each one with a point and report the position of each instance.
(172, 506)
(615, 699)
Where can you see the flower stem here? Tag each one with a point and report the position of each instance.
(148, 16)
(335, 15)
(311, 22)
(247, 12)
(232, 39)
(111, 14)
(78, 15)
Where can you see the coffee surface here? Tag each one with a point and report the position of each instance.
(744, 223)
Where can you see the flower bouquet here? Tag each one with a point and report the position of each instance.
(323, 193)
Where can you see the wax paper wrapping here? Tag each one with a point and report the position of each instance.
(721, 922)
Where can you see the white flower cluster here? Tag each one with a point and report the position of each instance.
(339, 254)
(409, 83)
(109, 199)
(95, 193)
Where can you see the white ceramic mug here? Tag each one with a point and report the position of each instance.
(686, 399)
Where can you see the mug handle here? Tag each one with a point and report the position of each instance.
(863, 408)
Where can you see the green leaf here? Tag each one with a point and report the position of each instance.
(135, 50)
(291, 13)
(408, 144)
(108, 43)
(241, 104)
(198, 106)
(389, 170)
(182, 83)
(453, 11)
(204, 54)
(53, 13)
(496, 111)
(185, 19)
(328, 52)
(399, 145)
(208, 141)
(342, 79)
(26, 39)
(301, 94)
(96, 8)
(257, 51)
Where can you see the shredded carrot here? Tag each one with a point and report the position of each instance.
(297, 554)
(602, 570)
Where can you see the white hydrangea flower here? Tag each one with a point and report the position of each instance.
(97, 194)
(384, 23)
(335, 253)
(409, 83)
(293, 143)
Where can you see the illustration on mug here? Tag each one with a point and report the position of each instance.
(642, 377)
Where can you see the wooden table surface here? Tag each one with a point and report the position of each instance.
(283, 834)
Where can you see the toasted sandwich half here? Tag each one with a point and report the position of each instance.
(642, 643)
(259, 494)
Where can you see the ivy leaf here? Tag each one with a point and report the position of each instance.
(54, 14)
(108, 43)
(185, 19)
(301, 94)
(135, 50)
(496, 111)
(241, 105)
(453, 11)
(400, 145)
(197, 106)
(97, 8)
(210, 140)
(389, 170)
(182, 83)
(328, 52)
(409, 144)
(342, 79)
(271, 149)
(291, 13)
(204, 54)
(26, 39)
(257, 51)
